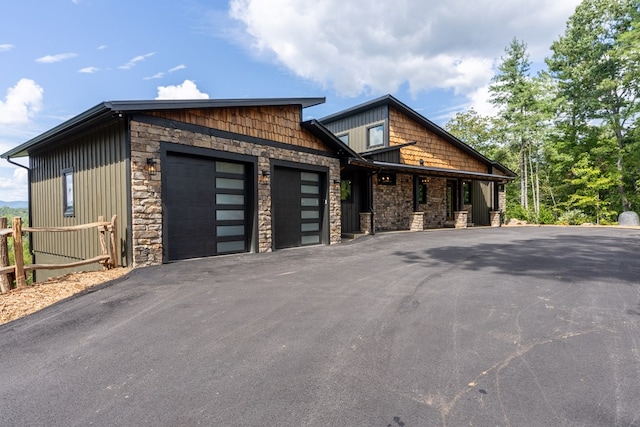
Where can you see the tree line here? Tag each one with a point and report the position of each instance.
(571, 131)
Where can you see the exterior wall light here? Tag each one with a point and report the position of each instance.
(150, 167)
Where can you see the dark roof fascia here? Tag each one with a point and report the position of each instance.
(390, 100)
(170, 104)
(106, 110)
(325, 135)
(398, 167)
(387, 149)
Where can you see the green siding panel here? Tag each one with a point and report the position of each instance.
(100, 169)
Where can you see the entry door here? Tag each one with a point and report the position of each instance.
(207, 206)
(298, 207)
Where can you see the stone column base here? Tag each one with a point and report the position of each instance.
(495, 218)
(460, 219)
(365, 222)
(416, 221)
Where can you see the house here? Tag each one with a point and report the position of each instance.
(414, 175)
(195, 178)
(186, 179)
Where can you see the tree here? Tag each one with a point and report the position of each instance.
(516, 95)
(596, 63)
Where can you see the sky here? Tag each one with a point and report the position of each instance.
(58, 58)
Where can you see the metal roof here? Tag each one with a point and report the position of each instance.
(110, 110)
(389, 100)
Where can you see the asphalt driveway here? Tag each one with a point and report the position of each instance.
(510, 326)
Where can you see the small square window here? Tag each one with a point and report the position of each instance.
(344, 138)
(376, 136)
(67, 192)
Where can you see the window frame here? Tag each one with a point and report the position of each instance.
(467, 192)
(345, 141)
(68, 193)
(369, 129)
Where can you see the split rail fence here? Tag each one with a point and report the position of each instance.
(108, 257)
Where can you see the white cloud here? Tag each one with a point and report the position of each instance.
(178, 67)
(155, 76)
(5, 47)
(186, 90)
(356, 48)
(49, 59)
(102, 47)
(13, 186)
(22, 102)
(89, 70)
(132, 63)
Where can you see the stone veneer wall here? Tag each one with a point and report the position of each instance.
(435, 210)
(392, 204)
(146, 190)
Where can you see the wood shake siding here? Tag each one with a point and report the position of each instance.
(433, 150)
(278, 123)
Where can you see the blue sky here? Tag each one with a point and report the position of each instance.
(59, 58)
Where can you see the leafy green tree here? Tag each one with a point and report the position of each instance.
(479, 132)
(518, 97)
(596, 63)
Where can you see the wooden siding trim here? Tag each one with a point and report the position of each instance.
(188, 127)
(277, 123)
(432, 149)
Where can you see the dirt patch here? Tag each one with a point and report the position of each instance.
(31, 298)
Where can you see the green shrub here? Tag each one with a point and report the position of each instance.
(573, 217)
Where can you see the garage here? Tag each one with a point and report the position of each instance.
(207, 206)
(298, 207)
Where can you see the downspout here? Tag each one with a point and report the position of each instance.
(33, 257)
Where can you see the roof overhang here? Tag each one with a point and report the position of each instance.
(427, 170)
(114, 110)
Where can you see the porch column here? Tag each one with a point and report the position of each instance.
(460, 218)
(416, 221)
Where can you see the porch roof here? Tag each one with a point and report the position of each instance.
(427, 170)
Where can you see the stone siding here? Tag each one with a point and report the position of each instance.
(430, 148)
(435, 210)
(146, 190)
(392, 204)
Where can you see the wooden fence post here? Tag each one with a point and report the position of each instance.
(102, 230)
(5, 283)
(17, 249)
(114, 241)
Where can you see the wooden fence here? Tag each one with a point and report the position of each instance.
(108, 257)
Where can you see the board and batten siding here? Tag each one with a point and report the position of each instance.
(357, 127)
(99, 161)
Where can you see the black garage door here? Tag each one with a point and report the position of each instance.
(207, 206)
(298, 207)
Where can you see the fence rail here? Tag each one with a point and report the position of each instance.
(108, 257)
